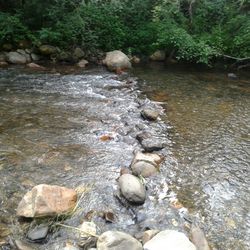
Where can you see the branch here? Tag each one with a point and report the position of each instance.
(235, 58)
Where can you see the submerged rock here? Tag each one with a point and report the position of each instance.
(35, 66)
(115, 240)
(132, 189)
(199, 239)
(45, 200)
(116, 61)
(170, 240)
(153, 144)
(150, 114)
(38, 233)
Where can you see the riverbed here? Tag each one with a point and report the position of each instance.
(77, 128)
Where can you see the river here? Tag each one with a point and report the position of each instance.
(51, 131)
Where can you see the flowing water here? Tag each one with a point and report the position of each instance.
(210, 115)
(78, 128)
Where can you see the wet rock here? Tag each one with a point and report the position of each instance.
(132, 189)
(78, 53)
(148, 235)
(144, 169)
(199, 239)
(116, 60)
(88, 229)
(114, 240)
(71, 248)
(22, 245)
(38, 233)
(153, 144)
(45, 200)
(159, 55)
(154, 159)
(150, 114)
(16, 58)
(35, 66)
(83, 63)
(88, 235)
(169, 239)
(47, 50)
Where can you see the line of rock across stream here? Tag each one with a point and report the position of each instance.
(94, 133)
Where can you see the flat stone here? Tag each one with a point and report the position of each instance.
(38, 233)
(47, 50)
(35, 66)
(153, 144)
(132, 189)
(88, 229)
(152, 158)
(47, 200)
(169, 240)
(150, 114)
(115, 240)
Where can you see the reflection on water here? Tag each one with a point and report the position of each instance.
(210, 115)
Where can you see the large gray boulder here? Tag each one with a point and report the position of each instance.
(16, 58)
(115, 240)
(46, 200)
(169, 240)
(132, 189)
(116, 61)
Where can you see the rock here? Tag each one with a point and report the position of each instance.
(135, 60)
(78, 53)
(148, 235)
(199, 239)
(150, 114)
(159, 55)
(154, 159)
(24, 44)
(82, 63)
(145, 164)
(35, 66)
(34, 57)
(88, 229)
(232, 76)
(47, 50)
(38, 233)
(153, 144)
(116, 61)
(16, 58)
(45, 200)
(114, 240)
(70, 248)
(3, 64)
(132, 189)
(144, 169)
(169, 240)
(21, 245)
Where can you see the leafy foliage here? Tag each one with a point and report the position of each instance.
(196, 30)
